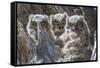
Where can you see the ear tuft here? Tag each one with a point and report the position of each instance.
(31, 16)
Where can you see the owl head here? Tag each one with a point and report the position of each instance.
(58, 22)
(36, 24)
(75, 23)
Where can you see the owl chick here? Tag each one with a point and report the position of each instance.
(58, 22)
(39, 30)
(76, 39)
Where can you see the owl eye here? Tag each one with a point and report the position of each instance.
(44, 24)
(80, 24)
(33, 25)
(55, 23)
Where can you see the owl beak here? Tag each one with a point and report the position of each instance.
(76, 28)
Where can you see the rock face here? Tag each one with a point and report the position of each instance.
(24, 51)
(27, 53)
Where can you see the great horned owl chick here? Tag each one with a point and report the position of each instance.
(76, 39)
(39, 29)
(75, 26)
(58, 22)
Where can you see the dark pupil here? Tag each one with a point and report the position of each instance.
(79, 24)
(34, 23)
(55, 24)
